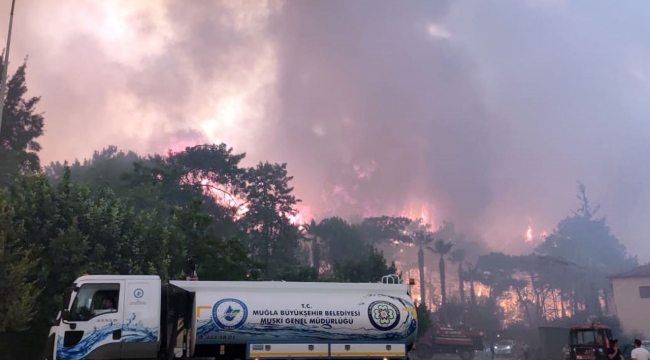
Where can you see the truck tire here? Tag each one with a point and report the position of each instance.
(466, 354)
(423, 351)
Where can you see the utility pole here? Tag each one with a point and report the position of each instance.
(5, 65)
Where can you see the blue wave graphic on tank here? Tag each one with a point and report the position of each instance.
(131, 332)
(405, 328)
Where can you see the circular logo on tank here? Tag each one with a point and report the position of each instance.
(138, 293)
(383, 315)
(229, 314)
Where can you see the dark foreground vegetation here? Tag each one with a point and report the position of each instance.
(123, 213)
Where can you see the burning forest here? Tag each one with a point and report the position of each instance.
(328, 141)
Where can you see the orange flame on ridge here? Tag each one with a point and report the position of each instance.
(529, 233)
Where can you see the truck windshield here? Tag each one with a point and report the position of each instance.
(93, 300)
(586, 337)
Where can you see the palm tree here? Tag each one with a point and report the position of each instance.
(472, 275)
(421, 239)
(442, 248)
(313, 230)
(417, 234)
(457, 257)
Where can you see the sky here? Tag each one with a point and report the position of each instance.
(481, 113)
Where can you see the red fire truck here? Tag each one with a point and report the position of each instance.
(589, 342)
(447, 340)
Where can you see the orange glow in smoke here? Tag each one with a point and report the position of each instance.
(419, 210)
(529, 234)
(224, 198)
(303, 215)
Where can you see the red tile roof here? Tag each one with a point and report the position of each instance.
(638, 272)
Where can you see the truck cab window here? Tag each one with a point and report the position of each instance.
(94, 300)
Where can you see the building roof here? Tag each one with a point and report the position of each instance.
(638, 272)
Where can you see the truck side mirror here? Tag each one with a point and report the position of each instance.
(65, 316)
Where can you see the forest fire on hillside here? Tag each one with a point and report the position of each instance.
(229, 200)
(304, 213)
(403, 254)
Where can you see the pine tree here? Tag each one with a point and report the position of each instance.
(21, 125)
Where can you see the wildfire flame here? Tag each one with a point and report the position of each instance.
(530, 236)
(303, 214)
(419, 210)
(224, 198)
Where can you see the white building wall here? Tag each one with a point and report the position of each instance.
(633, 311)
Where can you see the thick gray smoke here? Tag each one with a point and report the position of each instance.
(489, 111)
(365, 84)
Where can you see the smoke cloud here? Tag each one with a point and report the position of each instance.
(483, 113)
(376, 104)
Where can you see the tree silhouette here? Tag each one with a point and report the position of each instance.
(442, 248)
(21, 125)
(458, 257)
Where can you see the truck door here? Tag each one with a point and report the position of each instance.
(92, 329)
(141, 319)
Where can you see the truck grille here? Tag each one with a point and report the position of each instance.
(583, 353)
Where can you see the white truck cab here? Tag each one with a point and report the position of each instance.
(105, 317)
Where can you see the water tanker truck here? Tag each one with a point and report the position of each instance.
(140, 317)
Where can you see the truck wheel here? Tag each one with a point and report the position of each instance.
(466, 355)
(423, 351)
